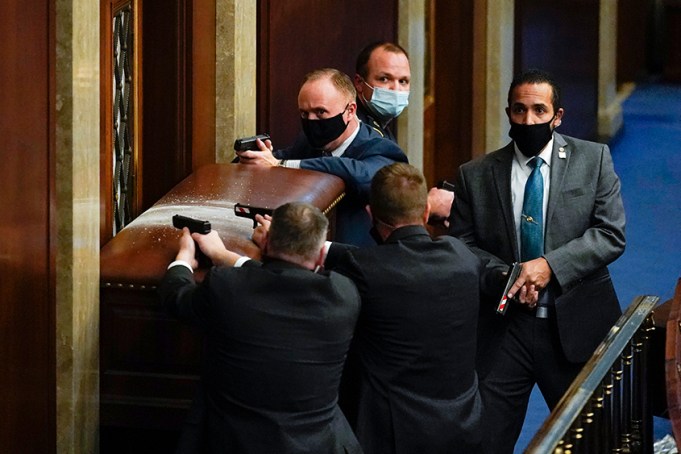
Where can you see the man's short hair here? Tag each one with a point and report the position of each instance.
(537, 76)
(297, 229)
(398, 194)
(339, 79)
(361, 65)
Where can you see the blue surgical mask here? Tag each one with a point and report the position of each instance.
(387, 104)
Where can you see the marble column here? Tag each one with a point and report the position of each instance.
(610, 118)
(412, 36)
(235, 78)
(493, 72)
(76, 216)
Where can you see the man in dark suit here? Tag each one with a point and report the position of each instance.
(334, 141)
(276, 338)
(565, 299)
(416, 335)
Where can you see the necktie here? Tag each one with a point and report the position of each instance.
(531, 222)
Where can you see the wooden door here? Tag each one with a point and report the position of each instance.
(296, 37)
(157, 101)
(27, 252)
(448, 116)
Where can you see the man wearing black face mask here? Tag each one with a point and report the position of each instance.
(553, 203)
(335, 142)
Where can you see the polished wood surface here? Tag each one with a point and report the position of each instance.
(673, 362)
(27, 228)
(203, 90)
(450, 119)
(150, 361)
(166, 122)
(140, 253)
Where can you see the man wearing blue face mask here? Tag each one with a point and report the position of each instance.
(382, 82)
(334, 141)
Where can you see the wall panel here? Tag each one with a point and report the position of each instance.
(27, 379)
(562, 38)
(296, 37)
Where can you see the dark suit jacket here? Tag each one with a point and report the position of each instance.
(584, 233)
(368, 118)
(416, 340)
(276, 341)
(367, 153)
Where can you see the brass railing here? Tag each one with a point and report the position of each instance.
(607, 408)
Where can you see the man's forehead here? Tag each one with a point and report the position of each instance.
(387, 62)
(532, 94)
(320, 93)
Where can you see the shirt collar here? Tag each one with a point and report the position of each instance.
(346, 143)
(545, 154)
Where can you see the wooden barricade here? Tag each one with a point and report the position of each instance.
(149, 362)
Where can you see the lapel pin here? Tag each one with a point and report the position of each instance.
(561, 153)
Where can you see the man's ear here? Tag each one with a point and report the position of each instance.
(368, 209)
(357, 80)
(426, 213)
(319, 264)
(559, 117)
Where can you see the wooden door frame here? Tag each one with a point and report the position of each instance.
(108, 10)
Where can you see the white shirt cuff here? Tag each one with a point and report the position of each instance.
(292, 164)
(327, 245)
(240, 261)
(182, 263)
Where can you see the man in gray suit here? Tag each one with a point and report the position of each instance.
(553, 203)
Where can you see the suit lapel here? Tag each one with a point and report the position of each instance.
(501, 176)
(560, 159)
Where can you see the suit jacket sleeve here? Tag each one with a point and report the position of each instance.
(359, 164)
(183, 297)
(586, 242)
(341, 260)
(336, 254)
(462, 226)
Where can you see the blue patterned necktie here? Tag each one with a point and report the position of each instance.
(531, 222)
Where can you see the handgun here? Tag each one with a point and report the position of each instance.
(245, 211)
(194, 225)
(513, 273)
(248, 143)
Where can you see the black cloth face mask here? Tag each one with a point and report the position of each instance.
(321, 132)
(531, 138)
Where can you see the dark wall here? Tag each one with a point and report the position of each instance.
(633, 38)
(672, 41)
(166, 99)
(562, 38)
(296, 37)
(27, 377)
(449, 120)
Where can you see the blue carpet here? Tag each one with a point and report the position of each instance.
(647, 157)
